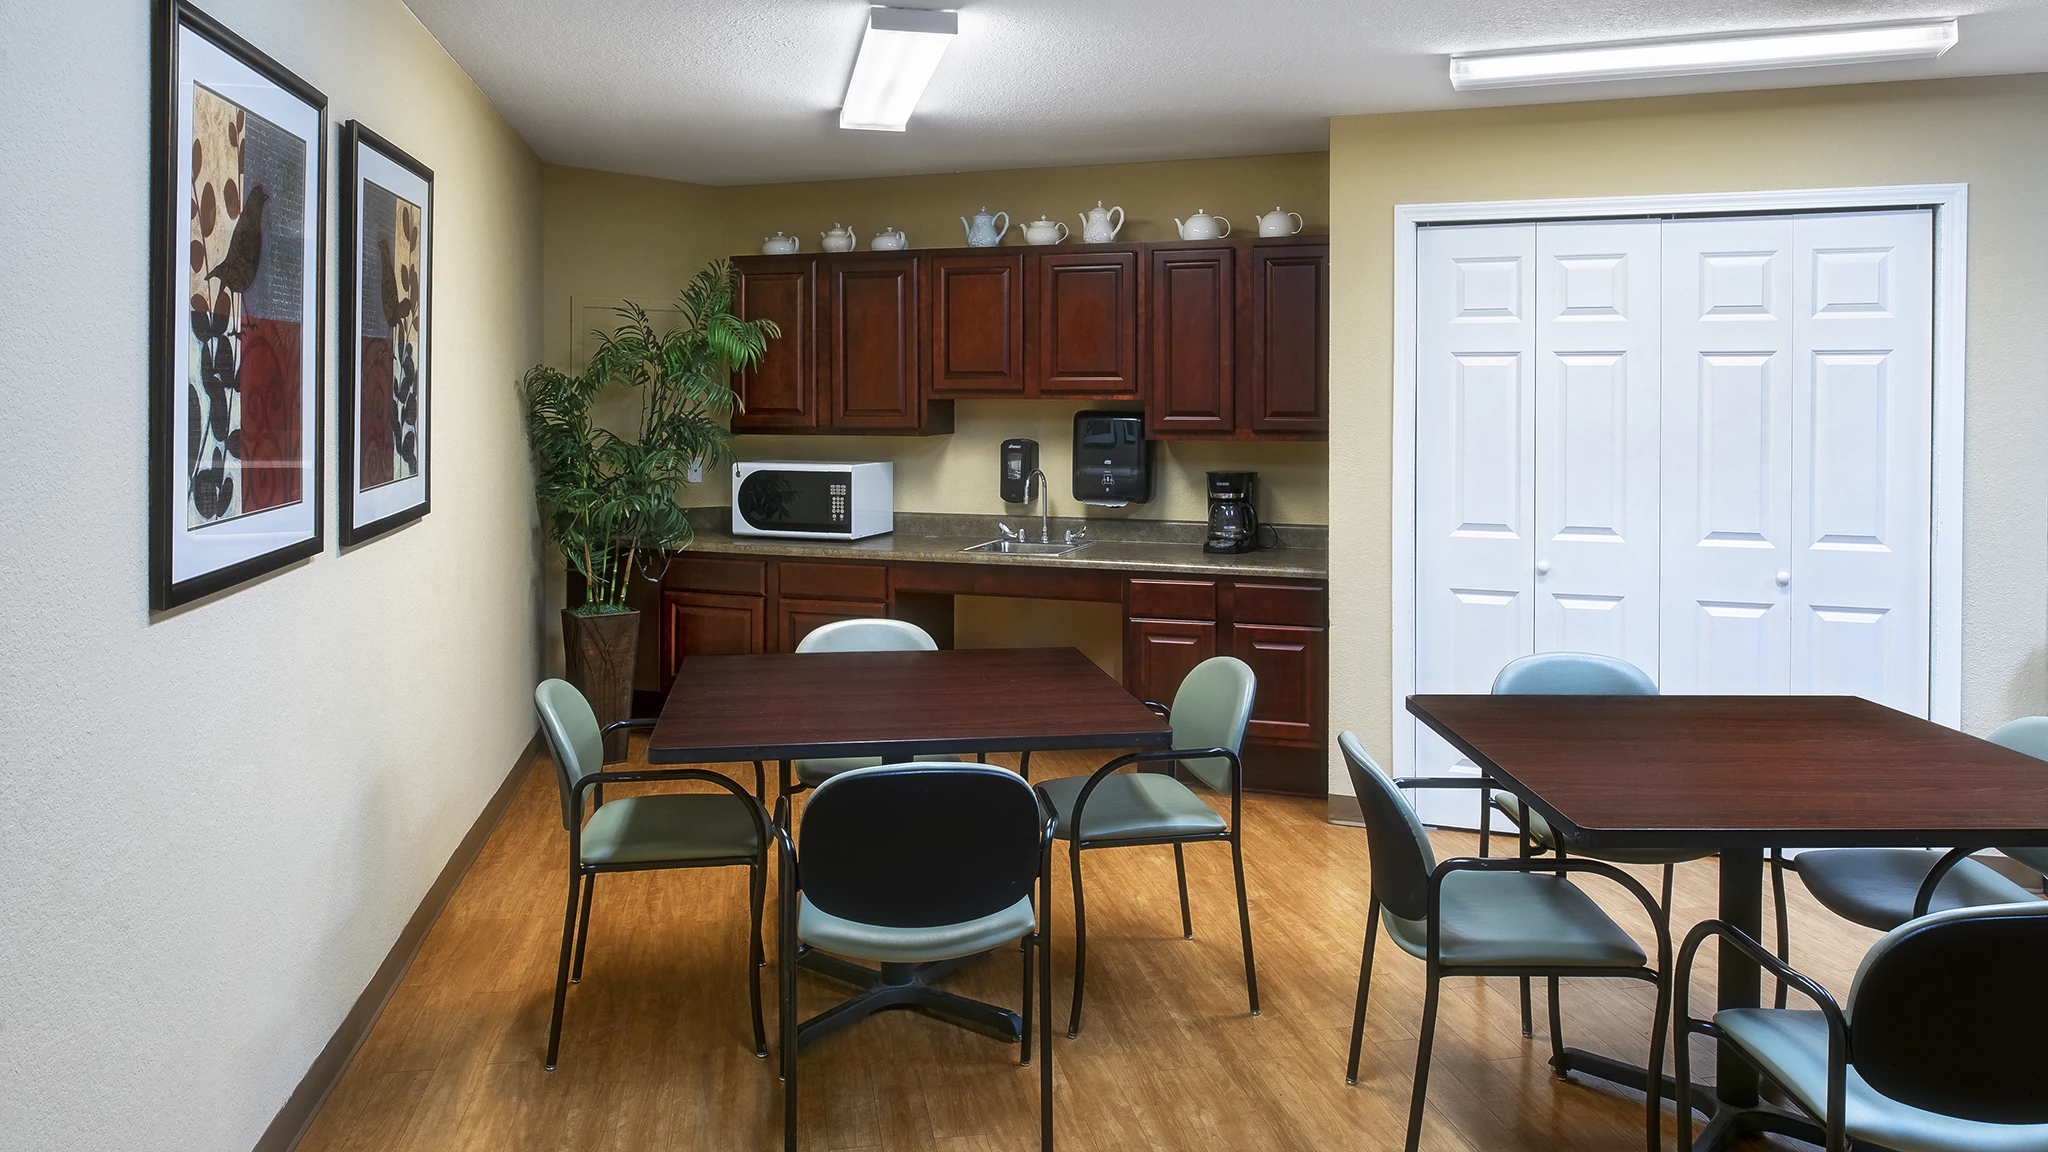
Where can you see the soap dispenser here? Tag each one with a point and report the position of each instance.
(1019, 461)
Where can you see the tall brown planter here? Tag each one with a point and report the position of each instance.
(600, 652)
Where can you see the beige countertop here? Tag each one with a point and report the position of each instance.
(1157, 546)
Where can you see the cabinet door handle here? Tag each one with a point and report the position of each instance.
(1543, 567)
(1784, 578)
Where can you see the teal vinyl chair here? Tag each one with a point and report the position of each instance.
(1883, 888)
(639, 833)
(863, 635)
(1588, 674)
(1938, 1048)
(1488, 916)
(1112, 809)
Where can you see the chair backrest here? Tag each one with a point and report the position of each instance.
(2028, 734)
(1572, 674)
(1211, 710)
(1401, 856)
(920, 845)
(868, 635)
(1946, 1013)
(574, 740)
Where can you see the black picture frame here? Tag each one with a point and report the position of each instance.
(189, 562)
(361, 518)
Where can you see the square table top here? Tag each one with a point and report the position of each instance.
(1707, 772)
(787, 706)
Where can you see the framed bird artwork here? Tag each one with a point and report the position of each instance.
(387, 242)
(238, 213)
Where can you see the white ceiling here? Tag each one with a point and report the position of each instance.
(747, 91)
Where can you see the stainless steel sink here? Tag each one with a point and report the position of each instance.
(1027, 548)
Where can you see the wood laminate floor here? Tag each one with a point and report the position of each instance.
(657, 1052)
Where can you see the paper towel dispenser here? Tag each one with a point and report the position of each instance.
(1112, 458)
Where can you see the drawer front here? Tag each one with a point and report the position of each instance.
(717, 574)
(807, 581)
(1173, 599)
(1281, 604)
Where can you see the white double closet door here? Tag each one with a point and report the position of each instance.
(1701, 445)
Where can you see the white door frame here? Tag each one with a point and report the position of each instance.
(1950, 203)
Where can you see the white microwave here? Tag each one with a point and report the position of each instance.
(818, 501)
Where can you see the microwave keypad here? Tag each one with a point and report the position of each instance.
(838, 504)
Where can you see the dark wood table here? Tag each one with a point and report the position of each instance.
(1739, 775)
(790, 706)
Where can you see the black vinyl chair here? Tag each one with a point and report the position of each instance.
(917, 868)
(638, 833)
(1489, 916)
(1128, 809)
(1938, 1048)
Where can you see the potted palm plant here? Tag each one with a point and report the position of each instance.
(610, 503)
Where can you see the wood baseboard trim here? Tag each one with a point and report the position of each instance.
(298, 1112)
(1346, 810)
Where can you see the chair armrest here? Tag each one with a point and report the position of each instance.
(1924, 898)
(1838, 1026)
(1081, 800)
(629, 725)
(1446, 782)
(1544, 864)
(1156, 706)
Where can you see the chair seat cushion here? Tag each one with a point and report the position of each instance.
(816, 772)
(1515, 919)
(1131, 805)
(670, 826)
(1544, 836)
(1792, 1046)
(884, 944)
(1875, 887)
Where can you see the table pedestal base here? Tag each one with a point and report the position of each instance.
(1726, 1123)
(901, 986)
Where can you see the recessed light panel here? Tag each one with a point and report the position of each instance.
(1697, 56)
(898, 55)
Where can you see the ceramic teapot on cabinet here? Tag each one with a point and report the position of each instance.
(889, 239)
(1202, 226)
(1096, 225)
(839, 239)
(982, 231)
(1044, 231)
(1279, 223)
(777, 245)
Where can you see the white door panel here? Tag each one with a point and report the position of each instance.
(1597, 370)
(1474, 509)
(1727, 455)
(1862, 455)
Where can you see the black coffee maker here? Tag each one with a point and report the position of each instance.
(1233, 521)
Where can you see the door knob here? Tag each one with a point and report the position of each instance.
(1543, 567)
(1784, 578)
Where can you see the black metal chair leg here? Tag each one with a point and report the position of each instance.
(1080, 944)
(1244, 922)
(583, 927)
(1655, 1101)
(1180, 871)
(1044, 947)
(562, 973)
(1681, 1074)
(1528, 1017)
(1372, 931)
(1024, 1038)
(1485, 820)
(1784, 924)
(1024, 764)
(757, 885)
(1670, 870)
(1556, 1032)
(760, 782)
(785, 961)
(786, 785)
(1422, 1047)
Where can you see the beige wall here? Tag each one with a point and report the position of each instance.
(222, 816)
(610, 236)
(1991, 133)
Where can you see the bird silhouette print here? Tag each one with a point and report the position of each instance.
(237, 270)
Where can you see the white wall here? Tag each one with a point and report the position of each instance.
(216, 821)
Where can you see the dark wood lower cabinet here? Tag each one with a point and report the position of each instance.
(709, 624)
(1161, 653)
(796, 619)
(1289, 662)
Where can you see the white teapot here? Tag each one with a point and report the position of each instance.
(1275, 223)
(889, 240)
(777, 245)
(982, 231)
(839, 239)
(1202, 226)
(1044, 231)
(1096, 226)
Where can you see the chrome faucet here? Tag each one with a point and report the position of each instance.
(1044, 505)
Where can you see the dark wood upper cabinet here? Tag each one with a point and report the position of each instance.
(780, 393)
(976, 319)
(1290, 339)
(871, 343)
(1083, 328)
(1193, 335)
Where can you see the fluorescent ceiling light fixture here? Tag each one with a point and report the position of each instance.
(1698, 56)
(898, 54)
